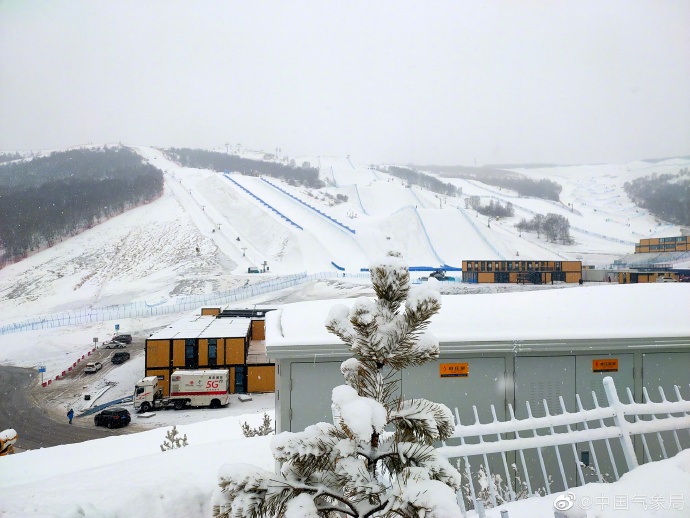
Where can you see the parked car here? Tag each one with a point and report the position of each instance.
(120, 357)
(114, 345)
(125, 338)
(666, 279)
(93, 367)
(116, 417)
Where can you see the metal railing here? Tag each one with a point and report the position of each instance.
(494, 446)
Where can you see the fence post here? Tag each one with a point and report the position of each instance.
(621, 422)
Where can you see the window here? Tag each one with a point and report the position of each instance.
(191, 354)
(212, 352)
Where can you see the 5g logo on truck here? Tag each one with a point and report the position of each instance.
(212, 384)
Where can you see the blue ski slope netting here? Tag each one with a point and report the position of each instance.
(323, 214)
(263, 202)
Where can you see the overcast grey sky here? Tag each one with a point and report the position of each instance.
(447, 82)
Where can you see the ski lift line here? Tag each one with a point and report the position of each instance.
(263, 202)
(310, 206)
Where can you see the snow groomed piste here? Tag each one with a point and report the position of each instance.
(227, 175)
(332, 221)
(320, 213)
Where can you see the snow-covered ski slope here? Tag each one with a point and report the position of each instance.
(204, 232)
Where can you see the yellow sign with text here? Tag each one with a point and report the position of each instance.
(455, 370)
(607, 365)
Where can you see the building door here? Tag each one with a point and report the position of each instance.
(591, 371)
(539, 379)
(191, 354)
(463, 384)
(311, 385)
(240, 379)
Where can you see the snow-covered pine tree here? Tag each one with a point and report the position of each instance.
(378, 458)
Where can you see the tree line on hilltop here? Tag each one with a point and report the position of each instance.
(8, 157)
(49, 198)
(544, 189)
(424, 180)
(667, 196)
(303, 175)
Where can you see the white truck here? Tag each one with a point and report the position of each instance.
(194, 388)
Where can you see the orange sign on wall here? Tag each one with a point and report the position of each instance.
(607, 365)
(454, 370)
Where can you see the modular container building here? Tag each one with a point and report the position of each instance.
(629, 275)
(214, 339)
(663, 244)
(531, 272)
(515, 348)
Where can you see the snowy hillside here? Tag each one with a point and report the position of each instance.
(200, 237)
(208, 228)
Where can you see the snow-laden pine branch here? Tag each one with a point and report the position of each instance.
(378, 457)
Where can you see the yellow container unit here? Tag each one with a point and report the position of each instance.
(157, 354)
(208, 341)
(483, 277)
(261, 378)
(258, 330)
(236, 350)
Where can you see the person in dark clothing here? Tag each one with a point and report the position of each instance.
(70, 415)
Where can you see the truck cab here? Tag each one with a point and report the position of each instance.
(146, 392)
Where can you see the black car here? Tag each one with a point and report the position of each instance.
(112, 417)
(120, 357)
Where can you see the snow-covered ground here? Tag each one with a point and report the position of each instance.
(150, 255)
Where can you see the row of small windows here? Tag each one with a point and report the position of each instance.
(502, 266)
(655, 248)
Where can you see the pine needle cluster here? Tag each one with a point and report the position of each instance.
(265, 428)
(173, 440)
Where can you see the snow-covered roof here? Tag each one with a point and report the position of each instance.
(659, 310)
(196, 326)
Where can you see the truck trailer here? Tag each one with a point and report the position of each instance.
(187, 388)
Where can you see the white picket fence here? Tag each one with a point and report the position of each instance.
(617, 422)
